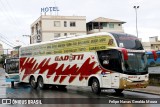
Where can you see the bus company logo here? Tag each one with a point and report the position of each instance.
(132, 76)
(69, 57)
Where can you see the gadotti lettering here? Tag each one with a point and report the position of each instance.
(69, 57)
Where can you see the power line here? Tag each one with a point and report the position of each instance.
(1, 35)
(6, 43)
(14, 16)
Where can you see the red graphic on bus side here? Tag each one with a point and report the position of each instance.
(30, 66)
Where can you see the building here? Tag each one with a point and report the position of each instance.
(153, 43)
(1, 50)
(48, 27)
(102, 24)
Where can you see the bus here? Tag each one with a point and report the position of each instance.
(151, 60)
(12, 70)
(101, 60)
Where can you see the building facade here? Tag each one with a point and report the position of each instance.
(153, 43)
(48, 27)
(1, 50)
(102, 24)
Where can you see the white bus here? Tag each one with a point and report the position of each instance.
(102, 61)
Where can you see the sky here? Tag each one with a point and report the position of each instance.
(16, 16)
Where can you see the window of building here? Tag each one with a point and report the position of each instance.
(56, 35)
(65, 34)
(32, 30)
(104, 24)
(57, 23)
(72, 24)
(111, 25)
(65, 23)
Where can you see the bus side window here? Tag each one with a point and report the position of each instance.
(110, 59)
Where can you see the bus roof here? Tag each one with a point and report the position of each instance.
(70, 38)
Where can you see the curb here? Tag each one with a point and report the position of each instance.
(146, 92)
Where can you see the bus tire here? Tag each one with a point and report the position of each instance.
(95, 86)
(118, 91)
(33, 83)
(12, 84)
(40, 83)
(152, 63)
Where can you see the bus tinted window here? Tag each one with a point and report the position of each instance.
(110, 59)
(12, 66)
(128, 41)
(158, 54)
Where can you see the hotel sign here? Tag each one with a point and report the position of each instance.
(49, 9)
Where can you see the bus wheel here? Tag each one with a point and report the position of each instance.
(95, 86)
(41, 84)
(12, 84)
(118, 91)
(152, 63)
(33, 83)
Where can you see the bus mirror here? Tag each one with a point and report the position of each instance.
(154, 55)
(125, 53)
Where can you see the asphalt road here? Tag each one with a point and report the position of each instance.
(71, 93)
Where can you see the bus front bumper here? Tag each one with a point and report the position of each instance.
(125, 84)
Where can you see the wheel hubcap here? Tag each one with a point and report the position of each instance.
(33, 82)
(40, 83)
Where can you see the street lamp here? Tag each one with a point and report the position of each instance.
(136, 7)
(27, 36)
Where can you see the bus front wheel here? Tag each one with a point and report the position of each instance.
(95, 86)
(118, 91)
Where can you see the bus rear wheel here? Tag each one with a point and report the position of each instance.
(33, 83)
(41, 84)
(118, 91)
(95, 86)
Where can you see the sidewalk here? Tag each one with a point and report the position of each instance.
(149, 90)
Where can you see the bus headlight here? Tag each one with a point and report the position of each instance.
(146, 76)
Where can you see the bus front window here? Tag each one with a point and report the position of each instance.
(136, 64)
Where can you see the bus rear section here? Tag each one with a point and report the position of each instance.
(12, 70)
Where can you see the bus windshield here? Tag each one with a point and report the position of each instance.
(136, 64)
(12, 65)
(127, 41)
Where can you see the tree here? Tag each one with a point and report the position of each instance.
(2, 59)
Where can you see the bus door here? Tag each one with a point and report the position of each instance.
(111, 61)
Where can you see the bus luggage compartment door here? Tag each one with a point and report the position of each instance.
(115, 80)
(106, 80)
